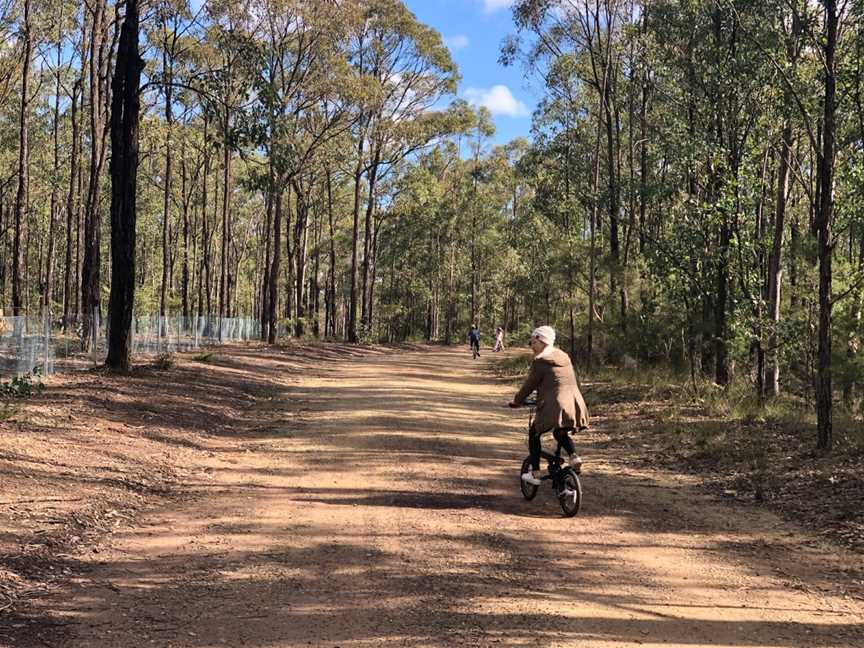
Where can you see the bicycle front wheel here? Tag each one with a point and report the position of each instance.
(570, 494)
(529, 491)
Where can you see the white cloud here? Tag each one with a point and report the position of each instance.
(494, 5)
(498, 99)
(457, 42)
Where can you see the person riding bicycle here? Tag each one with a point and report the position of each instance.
(560, 406)
(474, 340)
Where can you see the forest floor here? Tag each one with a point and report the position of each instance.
(340, 496)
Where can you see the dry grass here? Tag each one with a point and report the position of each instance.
(740, 449)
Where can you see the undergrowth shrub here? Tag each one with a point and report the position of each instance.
(165, 361)
(23, 386)
(514, 366)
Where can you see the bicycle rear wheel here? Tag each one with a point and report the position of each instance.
(529, 491)
(570, 494)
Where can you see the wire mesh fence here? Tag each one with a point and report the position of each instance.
(43, 345)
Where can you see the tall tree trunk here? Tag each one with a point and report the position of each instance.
(22, 197)
(125, 107)
(592, 226)
(824, 222)
(330, 320)
(184, 286)
(168, 89)
(272, 299)
(757, 345)
(373, 275)
(47, 295)
(266, 263)
(614, 195)
(315, 289)
(198, 262)
(775, 271)
(289, 258)
(71, 211)
(300, 238)
(721, 352)
(367, 235)
(79, 180)
(206, 235)
(643, 140)
(355, 236)
(224, 295)
(90, 269)
(473, 233)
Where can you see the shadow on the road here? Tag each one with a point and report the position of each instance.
(327, 585)
(285, 596)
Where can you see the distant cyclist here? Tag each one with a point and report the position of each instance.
(560, 406)
(474, 341)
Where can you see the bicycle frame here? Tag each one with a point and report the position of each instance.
(555, 468)
(564, 479)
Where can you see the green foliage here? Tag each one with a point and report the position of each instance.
(513, 366)
(22, 387)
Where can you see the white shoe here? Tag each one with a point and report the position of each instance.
(576, 463)
(530, 478)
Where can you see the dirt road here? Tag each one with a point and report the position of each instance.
(379, 506)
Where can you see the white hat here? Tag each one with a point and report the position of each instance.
(545, 334)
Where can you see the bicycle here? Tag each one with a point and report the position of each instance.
(564, 479)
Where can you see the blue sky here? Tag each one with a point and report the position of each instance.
(473, 30)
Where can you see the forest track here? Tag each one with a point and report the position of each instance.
(373, 500)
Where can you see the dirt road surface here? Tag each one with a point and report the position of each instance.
(374, 501)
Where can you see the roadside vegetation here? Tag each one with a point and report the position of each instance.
(740, 449)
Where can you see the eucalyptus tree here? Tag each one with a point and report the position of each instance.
(820, 32)
(27, 45)
(222, 59)
(125, 113)
(407, 69)
(172, 21)
(98, 100)
(8, 135)
(833, 29)
(725, 80)
(75, 192)
(303, 95)
(572, 44)
(792, 44)
(574, 48)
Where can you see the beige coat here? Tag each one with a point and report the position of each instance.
(559, 401)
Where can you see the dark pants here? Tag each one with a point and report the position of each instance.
(534, 445)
